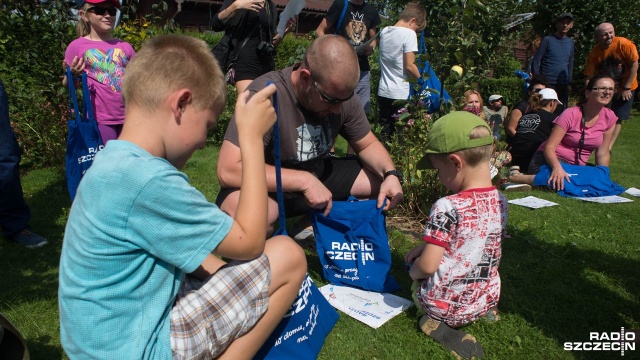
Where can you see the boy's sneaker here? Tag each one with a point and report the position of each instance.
(29, 239)
(512, 187)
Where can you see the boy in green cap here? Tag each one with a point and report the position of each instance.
(455, 271)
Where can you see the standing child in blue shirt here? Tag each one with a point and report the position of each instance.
(138, 275)
(455, 271)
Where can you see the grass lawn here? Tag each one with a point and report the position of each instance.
(566, 271)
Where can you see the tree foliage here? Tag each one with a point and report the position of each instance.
(32, 42)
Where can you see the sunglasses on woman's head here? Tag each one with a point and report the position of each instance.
(102, 10)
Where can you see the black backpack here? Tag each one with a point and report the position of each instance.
(12, 345)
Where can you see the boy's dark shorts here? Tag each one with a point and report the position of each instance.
(338, 175)
(622, 108)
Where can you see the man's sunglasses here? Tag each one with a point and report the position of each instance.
(102, 10)
(326, 98)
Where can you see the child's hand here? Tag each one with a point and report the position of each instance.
(255, 116)
(77, 66)
(414, 253)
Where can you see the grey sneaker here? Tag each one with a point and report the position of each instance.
(511, 187)
(29, 239)
(305, 238)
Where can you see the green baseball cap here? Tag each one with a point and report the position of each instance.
(451, 133)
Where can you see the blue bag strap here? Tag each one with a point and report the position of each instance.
(344, 11)
(422, 48)
(72, 94)
(282, 229)
(86, 97)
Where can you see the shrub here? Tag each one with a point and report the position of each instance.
(34, 37)
(509, 88)
(421, 187)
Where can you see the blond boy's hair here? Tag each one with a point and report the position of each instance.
(171, 62)
(477, 155)
(415, 10)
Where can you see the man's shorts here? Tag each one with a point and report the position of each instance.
(622, 108)
(338, 175)
(210, 314)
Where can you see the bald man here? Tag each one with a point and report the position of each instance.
(617, 57)
(316, 102)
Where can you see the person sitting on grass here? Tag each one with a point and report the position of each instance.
(473, 103)
(455, 271)
(495, 114)
(138, 275)
(533, 128)
(578, 131)
(521, 108)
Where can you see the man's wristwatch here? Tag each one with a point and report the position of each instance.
(395, 173)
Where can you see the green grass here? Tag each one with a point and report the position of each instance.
(566, 271)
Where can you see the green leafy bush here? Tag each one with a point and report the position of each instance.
(421, 188)
(509, 88)
(290, 50)
(504, 65)
(32, 45)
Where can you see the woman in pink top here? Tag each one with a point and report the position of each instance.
(577, 133)
(103, 58)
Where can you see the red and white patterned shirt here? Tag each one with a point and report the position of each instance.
(470, 226)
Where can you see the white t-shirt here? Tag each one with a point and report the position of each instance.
(395, 41)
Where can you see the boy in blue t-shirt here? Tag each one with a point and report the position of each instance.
(138, 278)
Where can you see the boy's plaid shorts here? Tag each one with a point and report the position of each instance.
(210, 314)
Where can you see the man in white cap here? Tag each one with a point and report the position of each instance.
(495, 114)
(533, 128)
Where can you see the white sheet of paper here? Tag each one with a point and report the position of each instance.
(532, 202)
(293, 8)
(633, 191)
(372, 308)
(614, 199)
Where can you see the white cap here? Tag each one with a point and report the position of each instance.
(549, 94)
(494, 98)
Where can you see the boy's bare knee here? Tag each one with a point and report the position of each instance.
(286, 257)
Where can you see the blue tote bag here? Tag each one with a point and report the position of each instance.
(304, 328)
(586, 181)
(353, 245)
(431, 90)
(83, 139)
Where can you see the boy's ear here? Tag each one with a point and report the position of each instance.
(457, 161)
(179, 101)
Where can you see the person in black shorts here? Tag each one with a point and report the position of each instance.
(316, 102)
(251, 24)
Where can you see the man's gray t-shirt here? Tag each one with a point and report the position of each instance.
(305, 139)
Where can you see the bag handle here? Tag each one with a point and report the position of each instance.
(86, 98)
(344, 11)
(422, 48)
(72, 94)
(282, 229)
